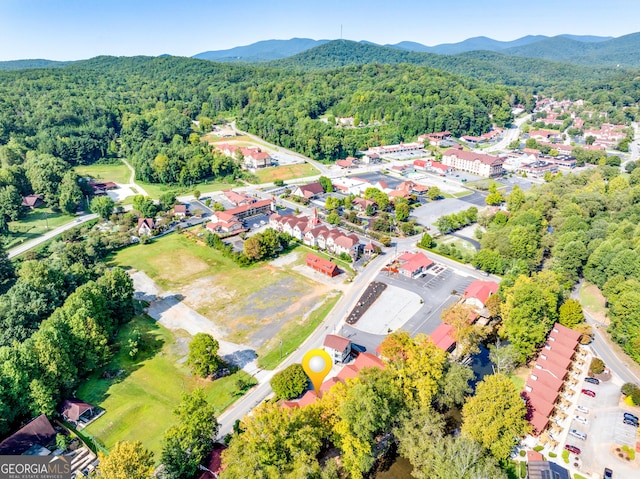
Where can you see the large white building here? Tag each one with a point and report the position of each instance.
(471, 162)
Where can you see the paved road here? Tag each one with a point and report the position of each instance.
(18, 250)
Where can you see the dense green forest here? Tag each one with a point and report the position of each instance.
(579, 225)
(143, 109)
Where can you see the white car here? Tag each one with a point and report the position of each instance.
(578, 434)
(580, 419)
(582, 409)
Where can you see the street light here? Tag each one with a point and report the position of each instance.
(281, 349)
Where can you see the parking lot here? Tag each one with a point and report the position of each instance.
(605, 430)
(438, 289)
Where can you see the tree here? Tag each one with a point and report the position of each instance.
(290, 382)
(167, 200)
(590, 139)
(494, 198)
(203, 355)
(70, 194)
(529, 310)
(102, 206)
(7, 271)
(504, 357)
(197, 194)
(495, 415)
(145, 206)
(190, 440)
(10, 205)
(454, 385)
(327, 186)
(434, 193)
(127, 460)
(332, 203)
(515, 199)
(570, 313)
(426, 241)
(333, 218)
(402, 211)
(417, 364)
(466, 334)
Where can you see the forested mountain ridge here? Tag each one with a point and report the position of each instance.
(483, 65)
(143, 108)
(267, 50)
(623, 51)
(27, 64)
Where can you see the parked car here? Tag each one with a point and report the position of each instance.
(588, 392)
(608, 473)
(582, 409)
(591, 380)
(573, 449)
(578, 434)
(580, 419)
(633, 417)
(630, 422)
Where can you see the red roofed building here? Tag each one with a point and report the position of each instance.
(39, 431)
(308, 191)
(476, 163)
(412, 264)
(368, 360)
(339, 348)
(321, 265)
(145, 226)
(478, 292)
(349, 371)
(74, 409)
(213, 463)
(443, 337)
(547, 376)
(238, 199)
(32, 201)
(180, 211)
(328, 384)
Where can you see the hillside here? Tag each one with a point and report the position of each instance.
(482, 65)
(623, 51)
(261, 51)
(30, 64)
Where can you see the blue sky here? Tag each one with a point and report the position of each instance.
(78, 29)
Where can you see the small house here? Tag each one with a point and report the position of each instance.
(339, 348)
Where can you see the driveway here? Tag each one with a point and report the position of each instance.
(169, 310)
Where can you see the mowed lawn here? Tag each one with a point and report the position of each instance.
(118, 172)
(139, 402)
(286, 172)
(173, 261)
(155, 190)
(33, 224)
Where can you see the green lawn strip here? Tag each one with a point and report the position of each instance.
(518, 381)
(460, 244)
(117, 172)
(293, 335)
(155, 190)
(34, 224)
(139, 403)
(462, 194)
(589, 300)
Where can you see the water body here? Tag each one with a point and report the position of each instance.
(400, 469)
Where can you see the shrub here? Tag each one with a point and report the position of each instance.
(597, 366)
(523, 469)
(629, 388)
(538, 448)
(290, 382)
(565, 456)
(523, 453)
(635, 397)
(553, 454)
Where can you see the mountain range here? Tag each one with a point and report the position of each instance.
(581, 49)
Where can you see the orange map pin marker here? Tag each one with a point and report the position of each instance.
(317, 364)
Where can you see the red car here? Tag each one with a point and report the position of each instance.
(589, 393)
(572, 449)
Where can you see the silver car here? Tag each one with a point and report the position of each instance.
(578, 434)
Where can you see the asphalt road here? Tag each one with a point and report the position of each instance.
(18, 250)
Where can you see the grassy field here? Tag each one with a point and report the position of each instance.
(591, 298)
(174, 261)
(139, 403)
(293, 335)
(118, 173)
(460, 244)
(251, 305)
(155, 190)
(302, 259)
(286, 172)
(34, 224)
